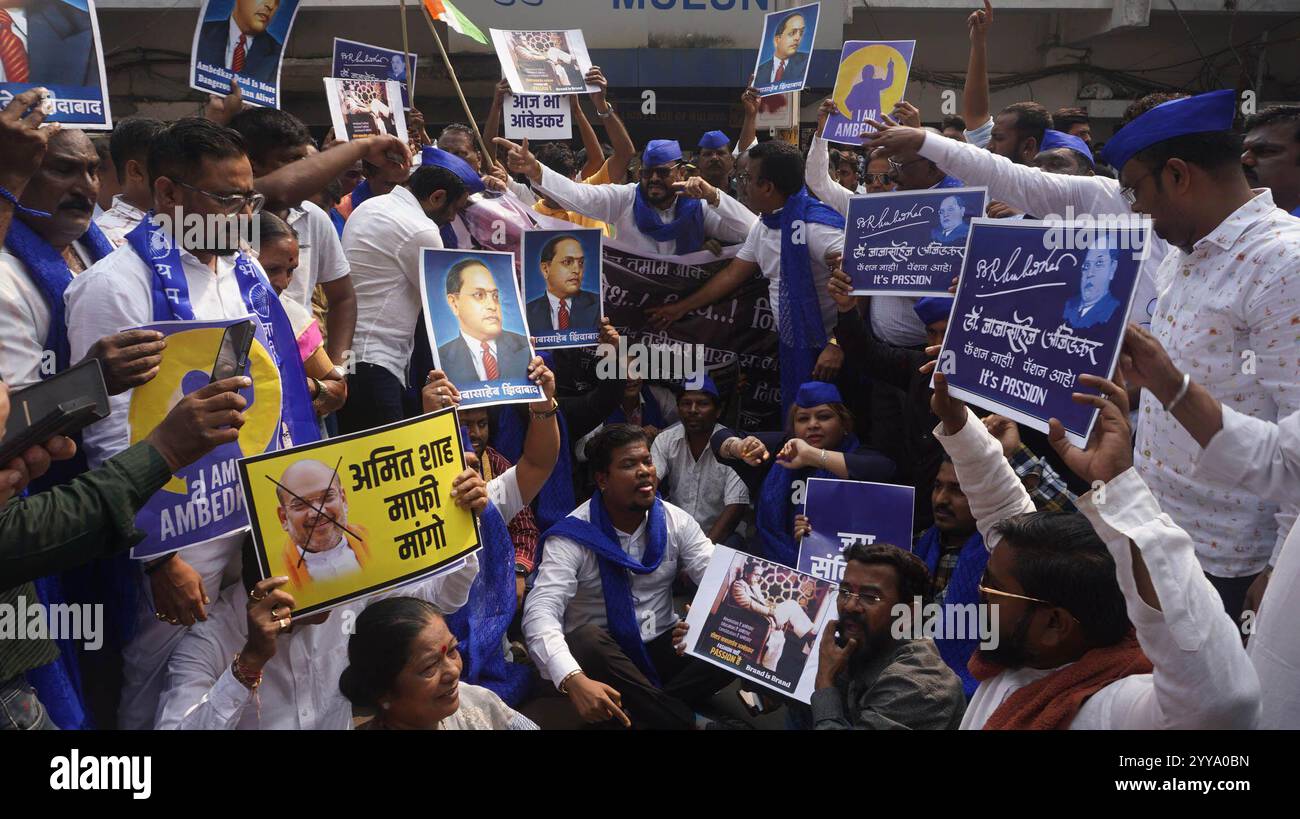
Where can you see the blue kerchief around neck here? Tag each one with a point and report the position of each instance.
(599, 536)
(686, 228)
(962, 588)
(775, 513)
(481, 623)
(50, 273)
(555, 500)
(799, 324)
(361, 193)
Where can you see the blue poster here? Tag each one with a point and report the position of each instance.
(872, 79)
(204, 500)
(359, 61)
(475, 320)
(57, 48)
(243, 40)
(909, 243)
(1038, 305)
(786, 50)
(844, 513)
(562, 287)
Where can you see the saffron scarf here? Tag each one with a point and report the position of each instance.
(775, 512)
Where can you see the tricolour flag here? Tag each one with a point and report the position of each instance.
(443, 10)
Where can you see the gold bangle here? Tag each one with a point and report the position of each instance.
(550, 413)
(564, 683)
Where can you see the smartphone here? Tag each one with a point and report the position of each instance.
(62, 405)
(841, 638)
(232, 355)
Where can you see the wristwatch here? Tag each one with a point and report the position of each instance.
(608, 112)
(521, 569)
(542, 416)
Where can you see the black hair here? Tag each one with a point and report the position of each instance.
(1212, 150)
(178, 151)
(1078, 164)
(558, 157)
(458, 128)
(600, 449)
(782, 165)
(1277, 115)
(1066, 117)
(548, 249)
(913, 576)
(839, 157)
(272, 227)
(1141, 105)
(268, 129)
(780, 27)
(131, 140)
(1032, 119)
(380, 647)
(953, 121)
(457, 273)
(1060, 558)
(429, 179)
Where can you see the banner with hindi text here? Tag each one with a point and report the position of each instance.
(843, 513)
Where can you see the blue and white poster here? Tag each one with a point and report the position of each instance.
(54, 44)
(562, 287)
(204, 500)
(909, 243)
(785, 52)
(844, 513)
(360, 61)
(241, 40)
(475, 320)
(872, 79)
(1038, 305)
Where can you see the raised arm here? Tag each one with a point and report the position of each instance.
(542, 442)
(723, 284)
(619, 139)
(749, 128)
(817, 169)
(287, 186)
(603, 202)
(492, 125)
(975, 96)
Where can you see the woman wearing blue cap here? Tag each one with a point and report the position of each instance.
(818, 443)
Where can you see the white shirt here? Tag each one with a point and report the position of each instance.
(1201, 677)
(19, 28)
(300, 684)
(1264, 458)
(700, 488)
(24, 322)
(777, 65)
(1231, 307)
(331, 564)
(729, 222)
(232, 40)
(119, 220)
(382, 240)
(320, 252)
(567, 594)
(476, 353)
(763, 247)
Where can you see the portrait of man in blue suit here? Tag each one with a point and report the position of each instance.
(220, 40)
(564, 305)
(1094, 305)
(56, 40)
(483, 344)
(952, 228)
(786, 60)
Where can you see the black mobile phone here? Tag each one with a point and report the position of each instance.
(841, 638)
(62, 405)
(232, 355)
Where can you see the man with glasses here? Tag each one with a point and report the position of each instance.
(188, 263)
(484, 350)
(869, 678)
(665, 213)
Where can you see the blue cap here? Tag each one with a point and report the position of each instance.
(661, 152)
(705, 385)
(432, 155)
(714, 140)
(1059, 139)
(815, 393)
(1191, 115)
(933, 308)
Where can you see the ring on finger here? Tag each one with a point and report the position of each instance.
(283, 623)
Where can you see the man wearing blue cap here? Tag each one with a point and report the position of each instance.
(663, 214)
(1065, 154)
(716, 160)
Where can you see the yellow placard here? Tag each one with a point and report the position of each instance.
(356, 515)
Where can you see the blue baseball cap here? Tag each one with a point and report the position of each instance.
(1200, 114)
(432, 155)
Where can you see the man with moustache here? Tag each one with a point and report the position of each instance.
(876, 680)
(241, 42)
(1271, 154)
(716, 160)
(787, 63)
(483, 350)
(565, 304)
(322, 543)
(952, 228)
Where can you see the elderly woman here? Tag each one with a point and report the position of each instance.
(405, 667)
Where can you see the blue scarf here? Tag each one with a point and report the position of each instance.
(50, 273)
(481, 623)
(448, 234)
(361, 193)
(555, 500)
(775, 513)
(962, 588)
(802, 334)
(687, 226)
(171, 301)
(620, 611)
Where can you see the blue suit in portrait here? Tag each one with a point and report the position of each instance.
(957, 236)
(584, 313)
(795, 69)
(1099, 314)
(512, 359)
(60, 44)
(260, 63)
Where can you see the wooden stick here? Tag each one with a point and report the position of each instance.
(451, 72)
(406, 52)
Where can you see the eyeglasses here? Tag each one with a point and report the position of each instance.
(898, 166)
(659, 171)
(999, 593)
(230, 203)
(1129, 192)
(864, 598)
(482, 295)
(879, 178)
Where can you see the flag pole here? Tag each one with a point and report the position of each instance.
(406, 52)
(451, 72)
